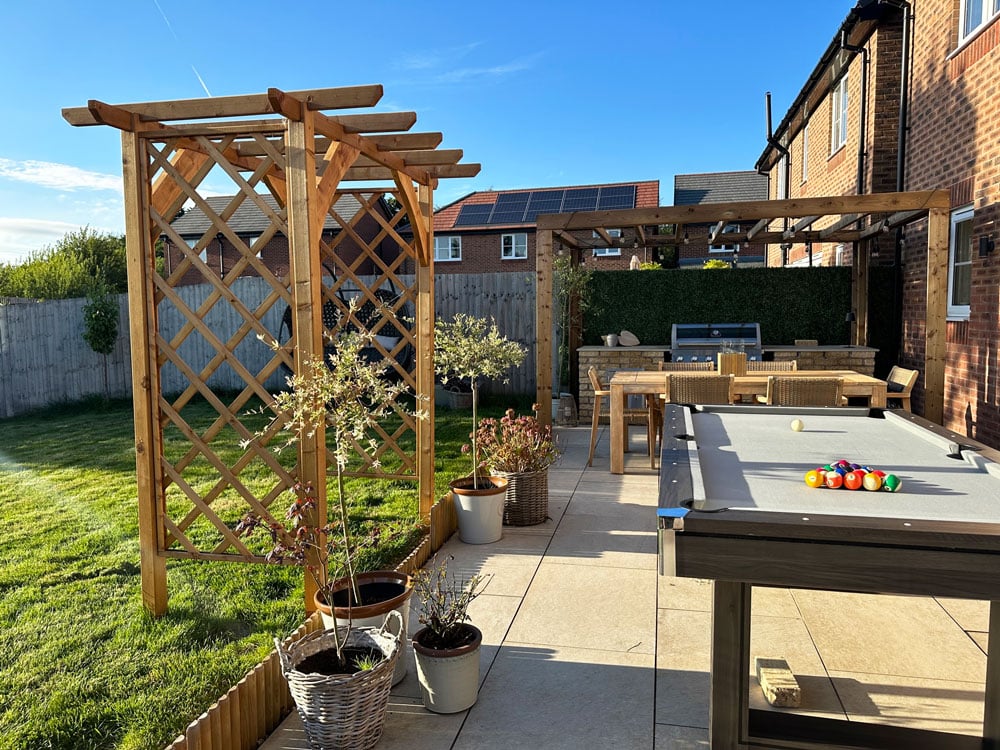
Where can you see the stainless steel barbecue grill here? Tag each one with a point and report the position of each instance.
(698, 342)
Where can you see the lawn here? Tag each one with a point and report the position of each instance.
(81, 663)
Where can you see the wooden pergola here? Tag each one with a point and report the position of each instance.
(303, 157)
(853, 219)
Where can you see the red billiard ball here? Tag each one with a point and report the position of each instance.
(834, 480)
(854, 479)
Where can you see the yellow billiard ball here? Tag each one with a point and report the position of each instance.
(798, 425)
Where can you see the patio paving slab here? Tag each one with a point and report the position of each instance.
(668, 737)
(557, 698)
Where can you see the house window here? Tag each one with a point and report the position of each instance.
(447, 248)
(607, 251)
(250, 243)
(191, 242)
(725, 248)
(960, 264)
(780, 185)
(976, 14)
(514, 246)
(805, 152)
(838, 116)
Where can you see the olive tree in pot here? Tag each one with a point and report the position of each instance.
(473, 349)
(340, 677)
(446, 649)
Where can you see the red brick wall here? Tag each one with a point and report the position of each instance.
(954, 143)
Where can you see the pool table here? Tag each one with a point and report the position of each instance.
(734, 508)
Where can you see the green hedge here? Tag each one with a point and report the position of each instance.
(789, 303)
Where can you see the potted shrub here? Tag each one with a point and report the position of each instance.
(340, 678)
(520, 449)
(471, 349)
(446, 649)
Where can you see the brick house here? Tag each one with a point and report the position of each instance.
(493, 231)
(718, 187)
(249, 223)
(932, 66)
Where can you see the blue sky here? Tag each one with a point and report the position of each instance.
(546, 93)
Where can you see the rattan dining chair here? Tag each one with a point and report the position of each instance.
(602, 396)
(799, 391)
(700, 389)
(900, 385)
(686, 366)
(789, 365)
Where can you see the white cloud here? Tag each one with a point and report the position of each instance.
(58, 176)
(428, 59)
(20, 237)
(494, 71)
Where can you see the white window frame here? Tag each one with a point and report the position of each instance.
(838, 116)
(959, 216)
(518, 246)
(725, 248)
(249, 243)
(805, 152)
(608, 252)
(971, 20)
(446, 247)
(203, 255)
(781, 191)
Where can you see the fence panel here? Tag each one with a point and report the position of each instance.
(44, 359)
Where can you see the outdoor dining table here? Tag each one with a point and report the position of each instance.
(748, 387)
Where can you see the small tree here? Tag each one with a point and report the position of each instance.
(473, 348)
(100, 325)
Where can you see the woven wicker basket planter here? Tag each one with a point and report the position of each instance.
(527, 500)
(342, 711)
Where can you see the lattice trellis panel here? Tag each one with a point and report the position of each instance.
(203, 369)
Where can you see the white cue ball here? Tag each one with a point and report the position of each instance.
(798, 425)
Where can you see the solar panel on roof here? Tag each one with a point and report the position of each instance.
(621, 196)
(544, 202)
(474, 214)
(507, 217)
(509, 201)
(580, 199)
(510, 208)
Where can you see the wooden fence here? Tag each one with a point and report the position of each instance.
(44, 359)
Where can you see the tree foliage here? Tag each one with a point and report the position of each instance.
(79, 263)
(100, 320)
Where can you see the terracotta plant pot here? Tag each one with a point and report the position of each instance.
(387, 590)
(479, 510)
(449, 678)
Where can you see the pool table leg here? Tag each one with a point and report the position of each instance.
(991, 710)
(730, 678)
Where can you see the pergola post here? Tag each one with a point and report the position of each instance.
(306, 274)
(935, 340)
(423, 222)
(145, 379)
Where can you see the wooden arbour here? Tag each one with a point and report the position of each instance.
(837, 219)
(190, 496)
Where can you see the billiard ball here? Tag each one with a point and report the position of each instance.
(892, 483)
(814, 478)
(853, 480)
(834, 480)
(872, 482)
(798, 425)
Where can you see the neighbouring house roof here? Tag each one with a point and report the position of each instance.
(719, 187)
(248, 218)
(501, 209)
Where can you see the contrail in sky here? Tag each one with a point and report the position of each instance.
(169, 26)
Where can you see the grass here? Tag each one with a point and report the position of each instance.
(81, 663)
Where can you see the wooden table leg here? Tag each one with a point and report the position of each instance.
(878, 397)
(618, 433)
(730, 680)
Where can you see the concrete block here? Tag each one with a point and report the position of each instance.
(777, 682)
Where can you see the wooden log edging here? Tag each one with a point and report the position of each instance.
(254, 707)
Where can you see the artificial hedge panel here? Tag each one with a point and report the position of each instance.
(789, 303)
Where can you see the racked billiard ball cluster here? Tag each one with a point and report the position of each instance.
(843, 473)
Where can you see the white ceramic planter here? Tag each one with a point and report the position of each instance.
(479, 511)
(449, 679)
(373, 615)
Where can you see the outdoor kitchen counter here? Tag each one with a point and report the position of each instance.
(645, 357)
